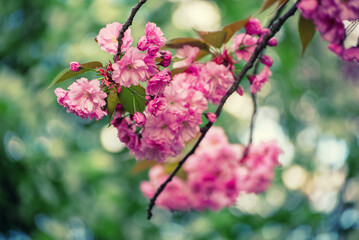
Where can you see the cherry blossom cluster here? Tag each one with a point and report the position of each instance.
(244, 46)
(215, 174)
(174, 102)
(329, 17)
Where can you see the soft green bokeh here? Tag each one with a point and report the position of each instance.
(58, 181)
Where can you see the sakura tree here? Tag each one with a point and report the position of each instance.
(156, 93)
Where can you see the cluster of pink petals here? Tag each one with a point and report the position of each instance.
(244, 46)
(84, 98)
(107, 38)
(216, 80)
(328, 16)
(153, 39)
(187, 54)
(215, 175)
(260, 79)
(131, 68)
(157, 83)
(257, 168)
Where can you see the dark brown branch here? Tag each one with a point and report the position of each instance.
(125, 26)
(251, 128)
(275, 28)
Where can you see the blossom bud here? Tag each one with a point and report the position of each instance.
(143, 43)
(273, 42)
(240, 90)
(251, 78)
(165, 63)
(166, 55)
(253, 27)
(75, 66)
(139, 118)
(267, 60)
(212, 117)
(152, 50)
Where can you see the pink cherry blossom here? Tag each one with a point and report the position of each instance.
(107, 38)
(257, 168)
(244, 45)
(154, 34)
(253, 27)
(260, 79)
(139, 118)
(212, 117)
(84, 98)
(218, 78)
(75, 66)
(130, 69)
(157, 83)
(157, 106)
(187, 53)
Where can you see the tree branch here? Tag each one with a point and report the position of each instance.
(275, 28)
(255, 71)
(125, 26)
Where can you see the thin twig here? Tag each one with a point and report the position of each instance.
(275, 28)
(251, 128)
(125, 26)
(255, 71)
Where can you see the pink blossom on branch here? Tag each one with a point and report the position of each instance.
(187, 53)
(244, 45)
(84, 98)
(107, 38)
(260, 79)
(130, 69)
(75, 66)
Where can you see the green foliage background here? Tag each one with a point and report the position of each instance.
(58, 182)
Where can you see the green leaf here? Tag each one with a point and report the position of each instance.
(180, 42)
(215, 39)
(306, 29)
(232, 28)
(67, 74)
(112, 101)
(133, 98)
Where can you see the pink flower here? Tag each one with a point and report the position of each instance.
(212, 117)
(174, 197)
(157, 83)
(84, 98)
(107, 38)
(307, 7)
(253, 27)
(218, 78)
(240, 90)
(143, 43)
(75, 66)
(273, 42)
(257, 168)
(130, 69)
(267, 60)
(157, 106)
(154, 34)
(351, 54)
(187, 53)
(139, 118)
(244, 45)
(260, 79)
(151, 64)
(225, 59)
(126, 132)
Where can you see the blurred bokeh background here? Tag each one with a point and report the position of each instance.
(66, 178)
